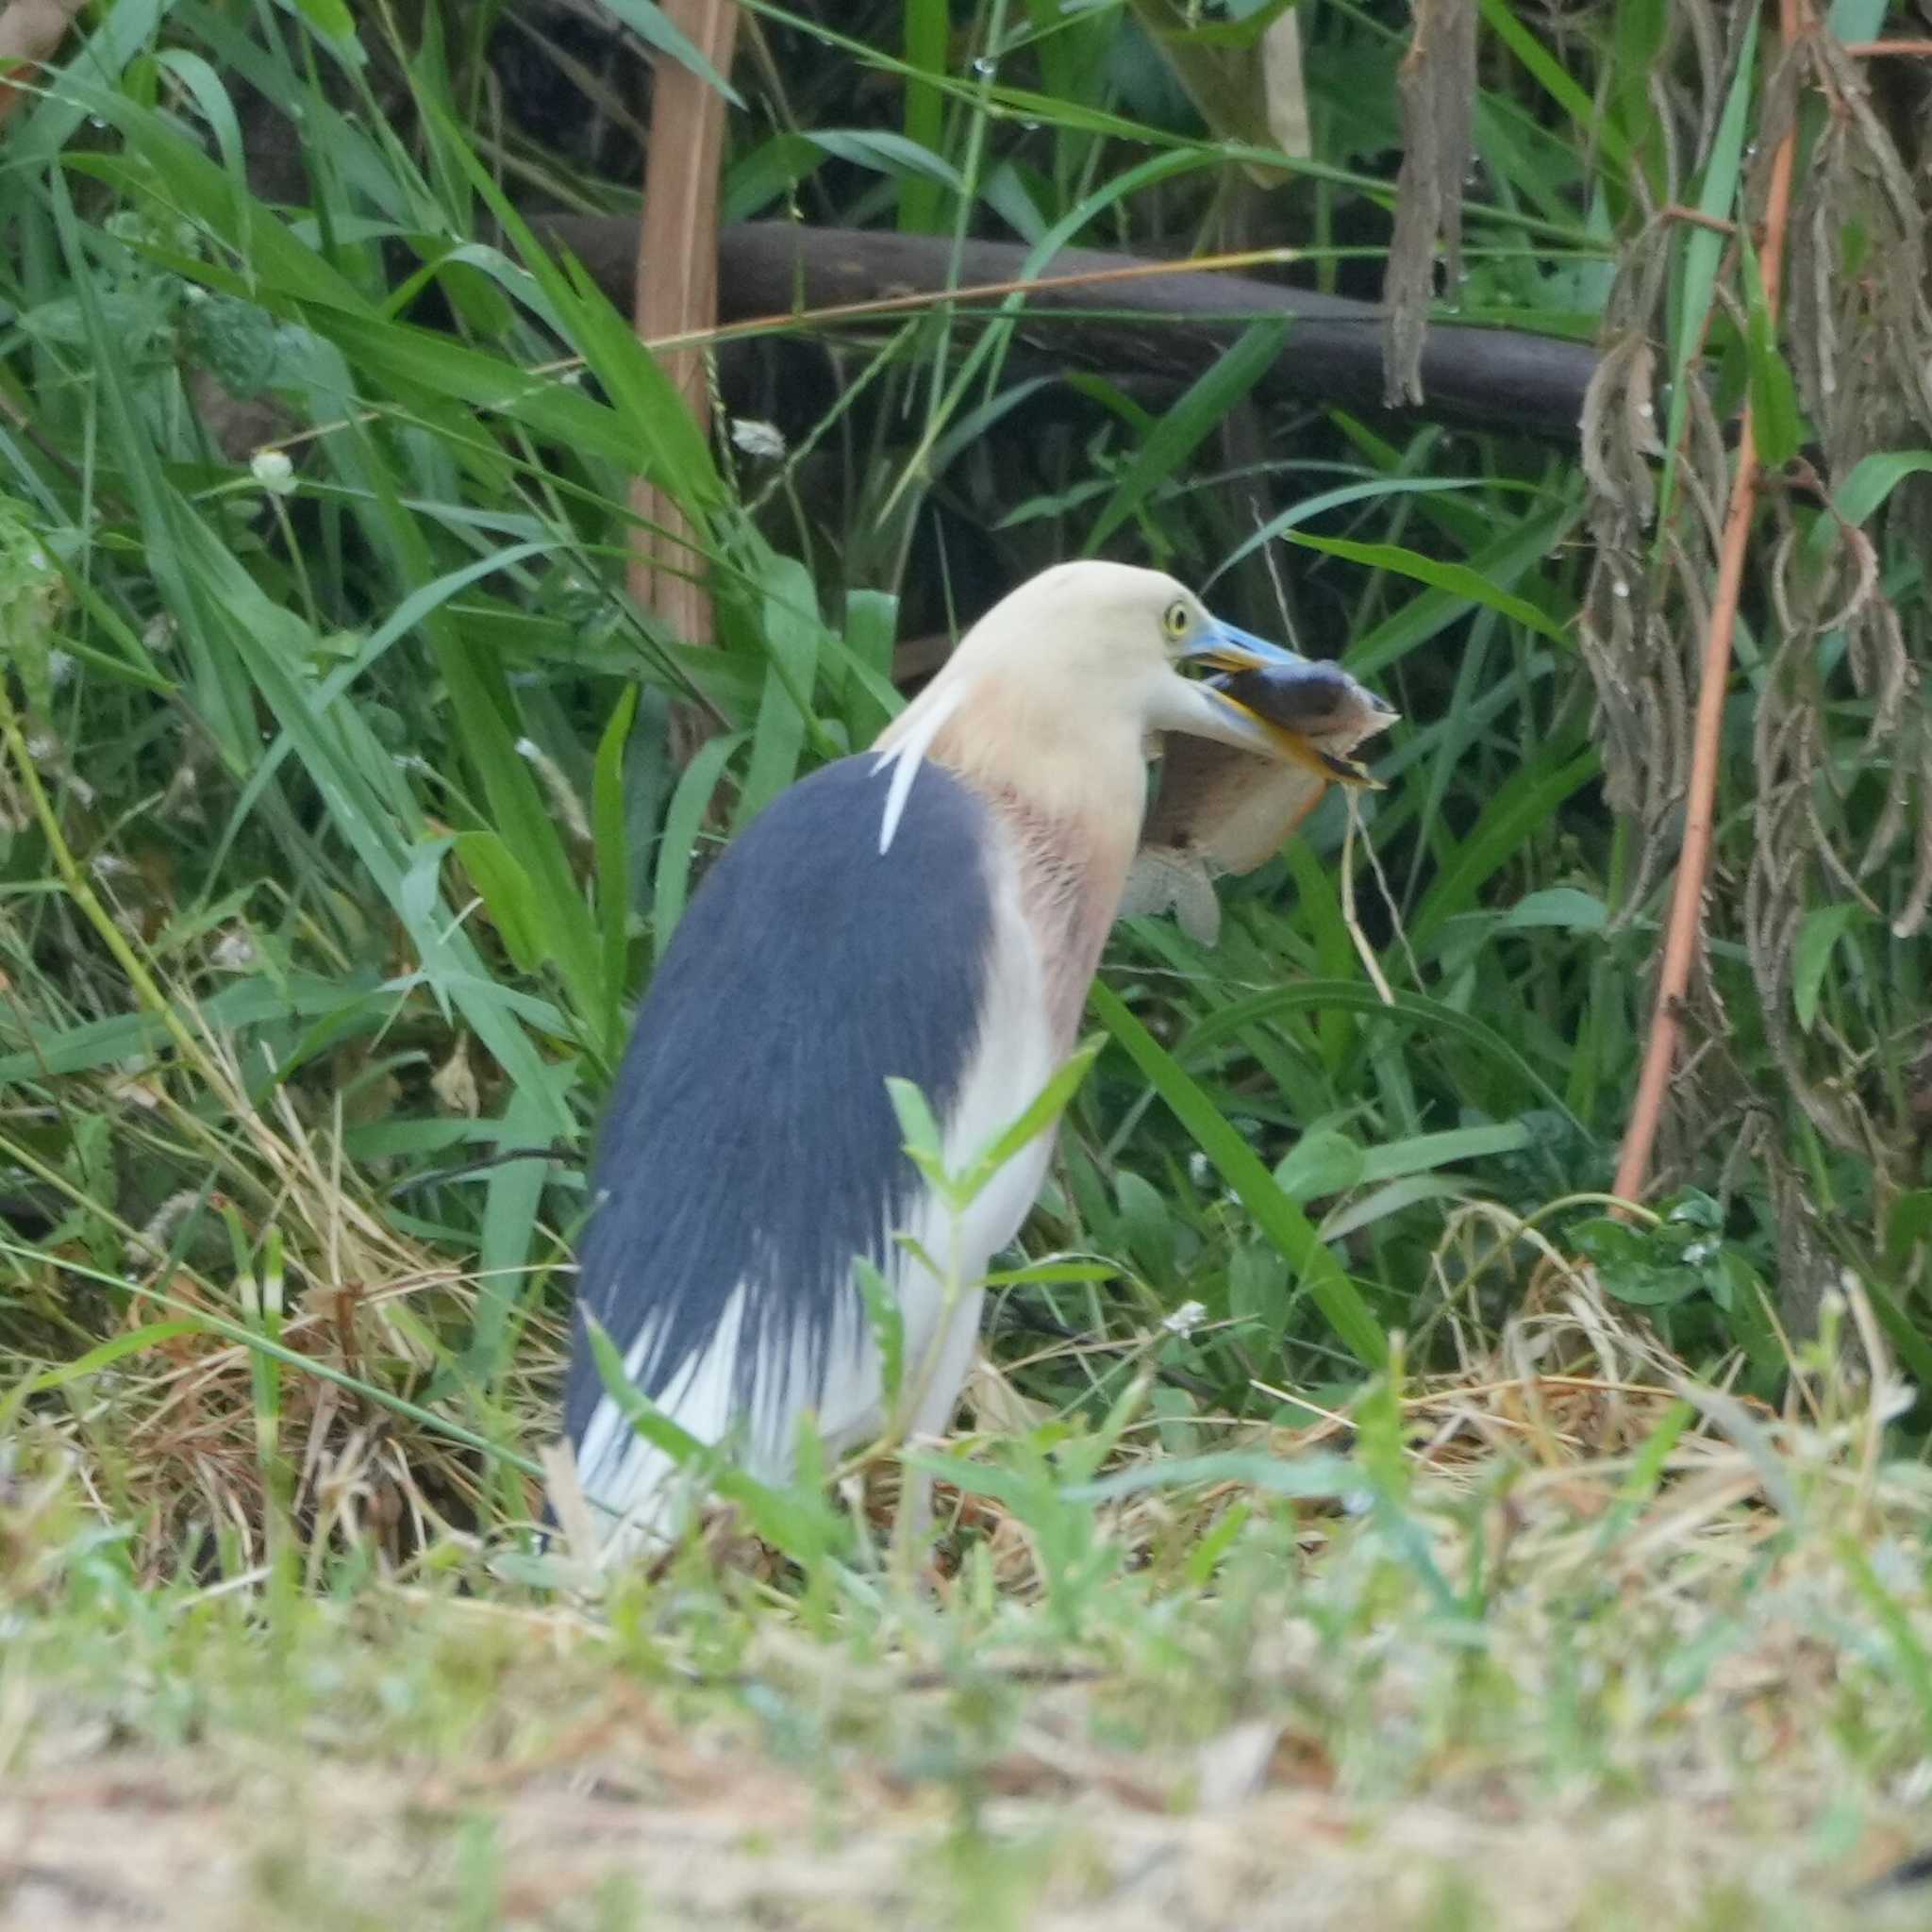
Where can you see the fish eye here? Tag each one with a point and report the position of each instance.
(1177, 621)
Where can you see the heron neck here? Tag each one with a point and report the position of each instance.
(1069, 872)
(1068, 790)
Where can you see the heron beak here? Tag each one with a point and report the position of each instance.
(1228, 649)
(1225, 648)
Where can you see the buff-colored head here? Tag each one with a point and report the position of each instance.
(1056, 694)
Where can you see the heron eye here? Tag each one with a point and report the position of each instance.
(1177, 622)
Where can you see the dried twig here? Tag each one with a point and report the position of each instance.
(1696, 218)
(1681, 933)
(1166, 319)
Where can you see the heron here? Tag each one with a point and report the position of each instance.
(930, 910)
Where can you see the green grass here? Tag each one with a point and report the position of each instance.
(340, 830)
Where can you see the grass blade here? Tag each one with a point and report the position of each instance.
(1284, 1224)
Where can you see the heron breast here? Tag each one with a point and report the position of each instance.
(1068, 876)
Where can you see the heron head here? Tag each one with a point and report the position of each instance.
(1097, 641)
(1058, 690)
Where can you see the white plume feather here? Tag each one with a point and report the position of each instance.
(906, 758)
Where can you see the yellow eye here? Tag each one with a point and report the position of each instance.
(1177, 622)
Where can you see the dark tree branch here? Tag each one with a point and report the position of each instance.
(1167, 325)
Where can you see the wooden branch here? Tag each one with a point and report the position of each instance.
(1170, 325)
(1685, 922)
(679, 233)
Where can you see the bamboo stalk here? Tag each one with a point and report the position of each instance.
(676, 294)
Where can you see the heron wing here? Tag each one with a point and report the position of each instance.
(750, 1151)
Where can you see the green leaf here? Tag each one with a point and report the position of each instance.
(1044, 1110)
(1872, 480)
(887, 154)
(1319, 1164)
(1284, 1224)
(1308, 508)
(1633, 1265)
(1457, 578)
(1424, 1015)
(1502, 19)
(1569, 907)
(677, 847)
(1426, 1152)
(126, 30)
(652, 26)
(1774, 423)
(920, 1132)
(128, 1037)
(513, 1202)
(886, 1320)
(1050, 1272)
(928, 36)
(1383, 1202)
(1313, 1476)
(1513, 557)
(1182, 429)
(329, 17)
(246, 650)
(1240, 34)
(773, 168)
(1901, 1330)
(1146, 1224)
(614, 866)
(1524, 804)
(661, 437)
(507, 892)
(637, 1408)
(1257, 1290)
(872, 623)
(1747, 1306)
(1907, 1227)
(1811, 958)
(1858, 20)
(102, 1356)
(790, 632)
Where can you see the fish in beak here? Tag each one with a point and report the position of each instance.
(1228, 801)
(1307, 711)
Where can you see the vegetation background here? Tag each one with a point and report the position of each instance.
(1363, 1524)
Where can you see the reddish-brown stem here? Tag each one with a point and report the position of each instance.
(1686, 918)
(1873, 50)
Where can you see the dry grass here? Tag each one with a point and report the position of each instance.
(1594, 1651)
